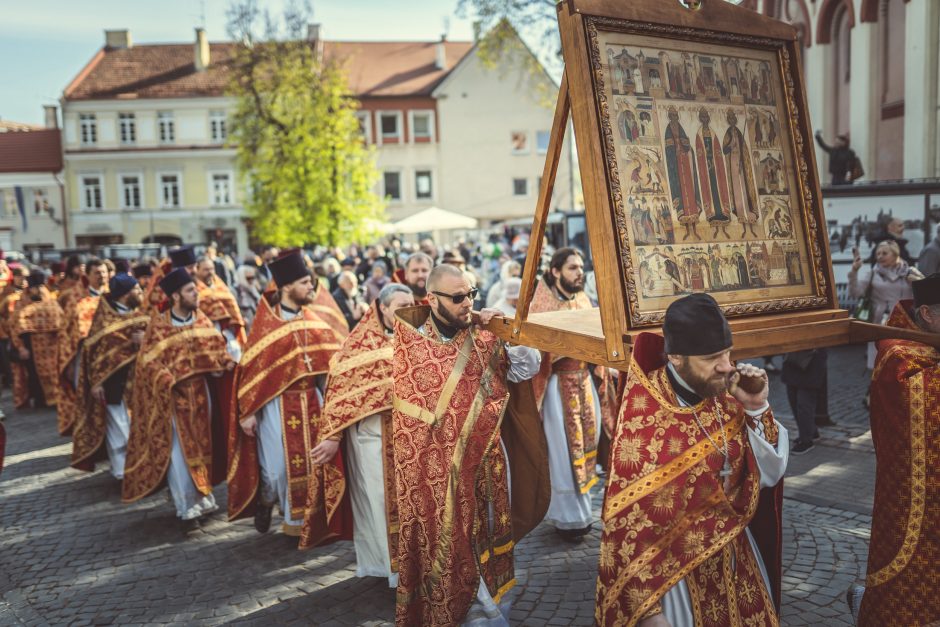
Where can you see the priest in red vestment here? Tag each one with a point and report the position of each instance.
(691, 453)
(175, 416)
(358, 414)
(573, 413)
(37, 325)
(451, 389)
(79, 308)
(278, 400)
(11, 301)
(414, 274)
(106, 377)
(904, 552)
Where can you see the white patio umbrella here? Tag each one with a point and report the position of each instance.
(433, 219)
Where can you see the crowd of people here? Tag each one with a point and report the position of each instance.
(360, 396)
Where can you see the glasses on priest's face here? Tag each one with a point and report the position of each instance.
(459, 298)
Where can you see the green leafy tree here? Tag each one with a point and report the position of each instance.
(309, 175)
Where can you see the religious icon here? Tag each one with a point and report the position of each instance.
(777, 221)
(770, 172)
(683, 182)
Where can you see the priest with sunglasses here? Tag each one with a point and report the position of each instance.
(466, 433)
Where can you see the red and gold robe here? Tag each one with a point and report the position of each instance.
(282, 361)
(11, 303)
(666, 514)
(172, 381)
(107, 348)
(904, 552)
(713, 181)
(79, 313)
(453, 498)
(218, 303)
(359, 386)
(574, 385)
(42, 320)
(328, 311)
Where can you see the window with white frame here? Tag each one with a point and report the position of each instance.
(88, 126)
(127, 128)
(391, 181)
(423, 185)
(91, 194)
(166, 131)
(520, 187)
(221, 190)
(218, 129)
(541, 141)
(170, 190)
(41, 202)
(130, 191)
(422, 126)
(365, 125)
(390, 127)
(519, 141)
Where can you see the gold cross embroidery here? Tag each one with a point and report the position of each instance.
(297, 461)
(293, 423)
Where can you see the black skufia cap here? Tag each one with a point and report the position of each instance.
(695, 325)
(288, 267)
(142, 269)
(175, 280)
(182, 256)
(36, 278)
(927, 290)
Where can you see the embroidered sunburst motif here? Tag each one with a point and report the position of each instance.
(664, 501)
(675, 446)
(629, 452)
(694, 542)
(639, 402)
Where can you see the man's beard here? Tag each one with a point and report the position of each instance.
(133, 301)
(420, 291)
(706, 388)
(35, 297)
(450, 319)
(571, 287)
(302, 300)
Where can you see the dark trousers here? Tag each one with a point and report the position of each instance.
(803, 402)
(6, 373)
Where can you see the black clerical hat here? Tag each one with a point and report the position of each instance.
(288, 267)
(175, 280)
(695, 325)
(120, 284)
(36, 278)
(142, 269)
(182, 256)
(927, 290)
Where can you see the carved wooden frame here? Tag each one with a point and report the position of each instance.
(807, 193)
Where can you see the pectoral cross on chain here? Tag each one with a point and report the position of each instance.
(307, 361)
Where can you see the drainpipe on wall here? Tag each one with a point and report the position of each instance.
(65, 211)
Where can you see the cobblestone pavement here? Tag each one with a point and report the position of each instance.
(71, 553)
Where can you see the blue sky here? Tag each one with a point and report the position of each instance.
(45, 43)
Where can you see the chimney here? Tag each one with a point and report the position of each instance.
(315, 37)
(52, 118)
(201, 50)
(116, 39)
(440, 60)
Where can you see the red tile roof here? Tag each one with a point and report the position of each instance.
(31, 151)
(393, 68)
(168, 71)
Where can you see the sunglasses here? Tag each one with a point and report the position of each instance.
(459, 298)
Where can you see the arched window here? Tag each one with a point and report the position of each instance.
(890, 121)
(841, 70)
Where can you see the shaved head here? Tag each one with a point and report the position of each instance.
(439, 273)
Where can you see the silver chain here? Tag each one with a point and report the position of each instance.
(726, 469)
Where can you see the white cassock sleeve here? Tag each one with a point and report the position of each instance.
(771, 460)
(524, 363)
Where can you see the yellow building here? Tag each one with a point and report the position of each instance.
(144, 131)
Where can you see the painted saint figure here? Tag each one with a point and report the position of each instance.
(711, 175)
(683, 181)
(740, 176)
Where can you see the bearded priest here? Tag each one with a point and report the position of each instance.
(106, 376)
(172, 407)
(458, 521)
(278, 387)
(694, 445)
(358, 412)
(571, 407)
